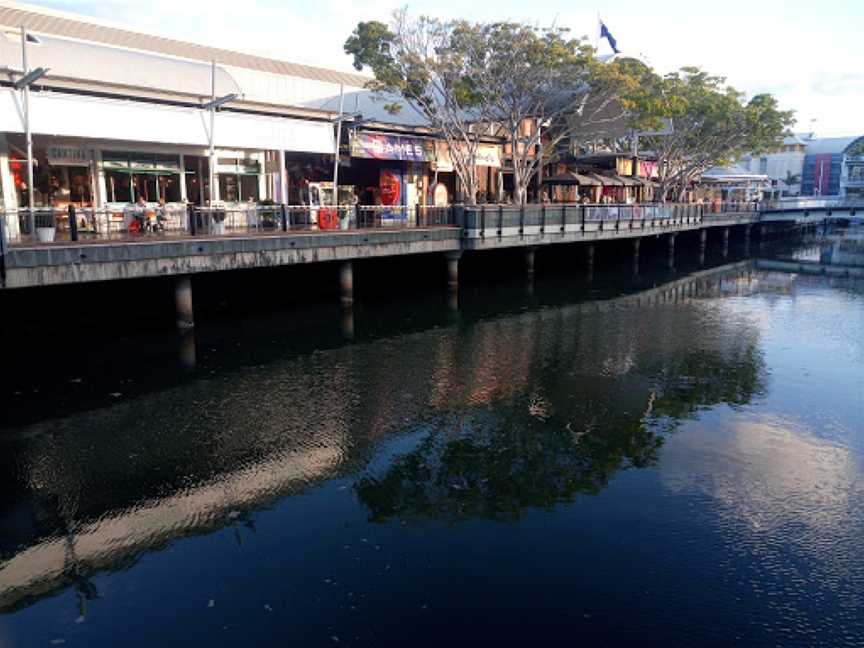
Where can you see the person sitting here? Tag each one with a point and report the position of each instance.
(138, 222)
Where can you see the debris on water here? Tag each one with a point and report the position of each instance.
(343, 488)
(268, 608)
(364, 540)
(335, 639)
(75, 380)
(211, 603)
(80, 619)
(233, 515)
(377, 547)
(57, 642)
(424, 607)
(115, 394)
(386, 567)
(327, 580)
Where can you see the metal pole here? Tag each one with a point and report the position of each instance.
(539, 161)
(212, 163)
(336, 149)
(27, 133)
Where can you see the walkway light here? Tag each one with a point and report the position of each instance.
(30, 78)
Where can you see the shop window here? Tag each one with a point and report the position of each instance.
(249, 187)
(118, 185)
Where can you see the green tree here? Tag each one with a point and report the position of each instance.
(543, 83)
(432, 65)
(701, 122)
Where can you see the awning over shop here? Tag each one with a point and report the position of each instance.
(573, 178)
(65, 115)
(615, 180)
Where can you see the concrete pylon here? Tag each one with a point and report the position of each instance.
(453, 268)
(346, 282)
(183, 302)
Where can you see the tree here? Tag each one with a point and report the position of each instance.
(505, 79)
(542, 89)
(791, 180)
(702, 122)
(431, 64)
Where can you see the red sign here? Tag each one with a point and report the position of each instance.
(391, 187)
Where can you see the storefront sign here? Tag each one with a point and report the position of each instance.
(390, 185)
(487, 155)
(69, 155)
(379, 146)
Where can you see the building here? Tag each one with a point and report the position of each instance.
(784, 167)
(121, 115)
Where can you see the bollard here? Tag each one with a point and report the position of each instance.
(284, 211)
(190, 213)
(73, 224)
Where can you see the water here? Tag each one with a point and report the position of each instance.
(555, 463)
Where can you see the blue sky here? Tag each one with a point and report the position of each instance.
(809, 54)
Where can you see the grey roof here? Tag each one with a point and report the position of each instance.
(371, 106)
(829, 145)
(43, 21)
(732, 173)
(107, 65)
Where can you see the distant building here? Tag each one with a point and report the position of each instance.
(784, 168)
(812, 166)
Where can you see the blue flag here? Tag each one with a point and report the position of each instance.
(605, 33)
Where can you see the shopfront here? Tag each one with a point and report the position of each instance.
(62, 174)
(390, 170)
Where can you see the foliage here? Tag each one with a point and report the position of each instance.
(700, 122)
(543, 88)
(431, 64)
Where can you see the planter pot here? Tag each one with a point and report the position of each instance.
(45, 234)
(219, 228)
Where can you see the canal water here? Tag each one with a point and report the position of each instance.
(669, 458)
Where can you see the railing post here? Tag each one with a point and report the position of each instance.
(582, 210)
(521, 220)
(284, 213)
(500, 221)
(482, 221)
(543, 219)
(73, 223)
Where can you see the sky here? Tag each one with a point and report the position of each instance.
(810, 55)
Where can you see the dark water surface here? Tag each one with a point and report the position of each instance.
(670, 459)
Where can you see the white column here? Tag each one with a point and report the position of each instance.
(101, 184)
(183, 196)
(10, 198)
(283, 177)
(262, 175)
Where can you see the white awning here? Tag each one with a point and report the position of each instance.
(66, 115)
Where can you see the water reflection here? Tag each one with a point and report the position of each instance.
(522, 411)
(480, 417)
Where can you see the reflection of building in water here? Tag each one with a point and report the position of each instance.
(579, 378)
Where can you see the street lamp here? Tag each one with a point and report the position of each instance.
(211, 106)
(28, 78)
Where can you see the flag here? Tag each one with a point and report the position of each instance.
(605, 33)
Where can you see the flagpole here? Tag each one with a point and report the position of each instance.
(597, 33)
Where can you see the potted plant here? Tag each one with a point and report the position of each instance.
(217, 218)
(43, 222)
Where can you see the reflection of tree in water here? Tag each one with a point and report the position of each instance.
(701, 379)
(498, 464)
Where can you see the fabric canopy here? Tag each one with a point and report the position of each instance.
(68, 115)
(573, 178)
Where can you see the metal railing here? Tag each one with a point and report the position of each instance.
(125, 223)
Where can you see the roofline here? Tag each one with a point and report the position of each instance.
(163, 45)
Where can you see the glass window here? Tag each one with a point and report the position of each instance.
(118, 185)
(763, 165)
(249, 187)
(228, 187)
